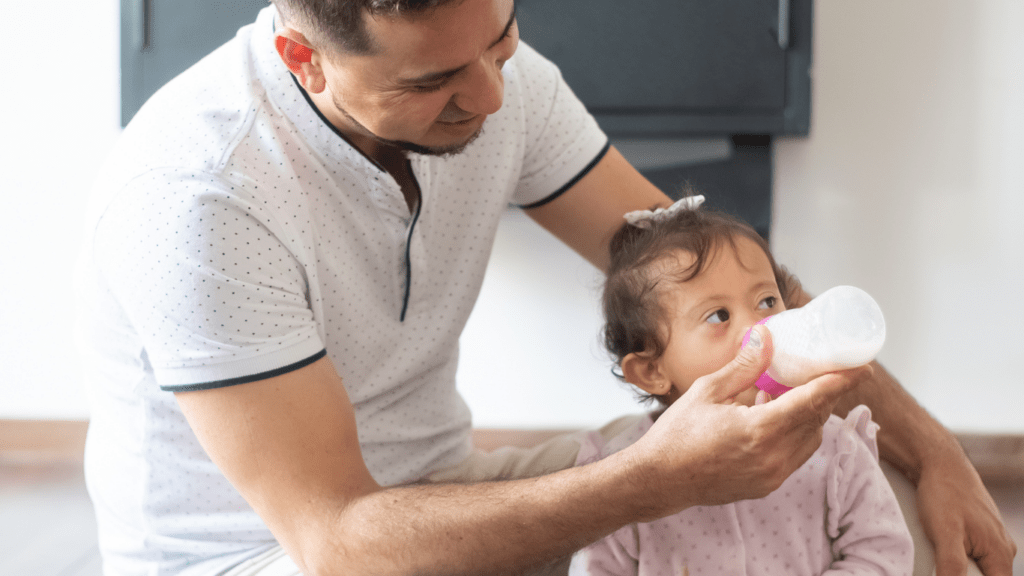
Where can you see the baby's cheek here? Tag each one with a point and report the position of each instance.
(724, 353)
(708, 365)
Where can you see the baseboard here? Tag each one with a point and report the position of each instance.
(998, 457)
(47, 439)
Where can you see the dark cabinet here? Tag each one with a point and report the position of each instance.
(161, 38)
(674, 67)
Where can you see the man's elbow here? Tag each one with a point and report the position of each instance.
(348, 543)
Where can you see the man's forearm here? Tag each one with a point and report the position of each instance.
(908, 434)
(486, 528)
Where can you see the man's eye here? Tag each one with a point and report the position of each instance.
(427, 88)
(768, 303)
(718, 317)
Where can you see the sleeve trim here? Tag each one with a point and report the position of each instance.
(572, 182)
(244, 379)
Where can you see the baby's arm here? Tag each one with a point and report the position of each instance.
(869, 534)
(613, 555)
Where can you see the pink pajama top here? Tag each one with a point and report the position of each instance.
(835, 515)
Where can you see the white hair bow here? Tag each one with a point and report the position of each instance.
(645, 218)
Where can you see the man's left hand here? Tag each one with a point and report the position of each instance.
(961, 519)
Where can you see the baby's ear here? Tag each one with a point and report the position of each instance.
(643, 370)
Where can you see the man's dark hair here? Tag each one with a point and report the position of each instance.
(339, 23)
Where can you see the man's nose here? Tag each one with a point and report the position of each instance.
(484, 90)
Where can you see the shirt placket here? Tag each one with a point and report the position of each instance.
(419, 168)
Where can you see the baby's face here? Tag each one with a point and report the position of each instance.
(709, 314)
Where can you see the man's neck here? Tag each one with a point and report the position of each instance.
(395, 162)
(368, 145)
(391, 159)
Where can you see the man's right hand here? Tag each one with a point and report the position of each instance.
(707, 450)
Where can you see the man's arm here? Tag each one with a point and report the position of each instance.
(957, 512)
(289, 445)
(587, 215)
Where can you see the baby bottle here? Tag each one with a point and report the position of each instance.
(840, 329)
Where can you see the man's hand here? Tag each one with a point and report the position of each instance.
(707, 450)
(961, 519)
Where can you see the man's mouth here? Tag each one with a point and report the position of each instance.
(462, 122)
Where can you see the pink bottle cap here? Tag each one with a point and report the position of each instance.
(765, 381)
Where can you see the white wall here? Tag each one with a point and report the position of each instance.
(911, 186)
(60, 98)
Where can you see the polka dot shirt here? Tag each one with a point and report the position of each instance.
(835, 515)
(234, 235)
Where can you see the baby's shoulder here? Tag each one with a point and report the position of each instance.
(845, 435)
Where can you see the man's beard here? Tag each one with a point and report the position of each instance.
(449, 150)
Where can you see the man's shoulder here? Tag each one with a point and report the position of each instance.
(195, 119)
(527, 60)
(183, 140)
(532, 72)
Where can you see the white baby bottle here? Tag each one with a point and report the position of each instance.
(840, 329)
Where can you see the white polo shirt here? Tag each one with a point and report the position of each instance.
(235, 235)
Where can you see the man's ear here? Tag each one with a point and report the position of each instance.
(644, 371)
(303, 61)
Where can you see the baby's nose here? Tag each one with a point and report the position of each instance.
(741, 335)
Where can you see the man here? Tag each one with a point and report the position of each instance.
(283, 251)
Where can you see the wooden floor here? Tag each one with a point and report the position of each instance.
(47, 526)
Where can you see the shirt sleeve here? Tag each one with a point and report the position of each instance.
(563, 141)
(868, 532)
(207, 280)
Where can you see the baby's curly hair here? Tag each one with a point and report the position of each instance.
(632, 308)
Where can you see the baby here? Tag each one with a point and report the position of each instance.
(683, 287)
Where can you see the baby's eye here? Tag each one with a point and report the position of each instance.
(768, 303)
(718, 316)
